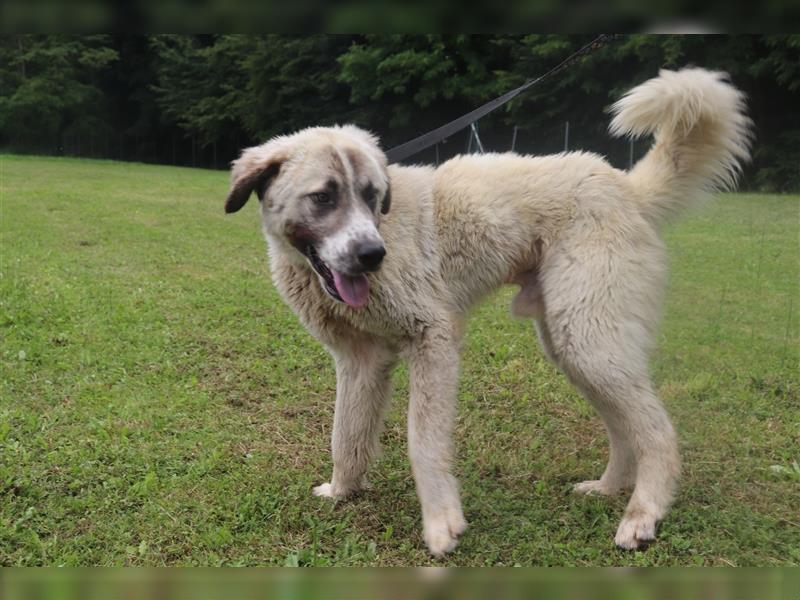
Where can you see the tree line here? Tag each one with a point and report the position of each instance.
(196, 100)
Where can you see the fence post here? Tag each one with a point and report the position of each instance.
(514, 139)
(474, 132)
(566, 136)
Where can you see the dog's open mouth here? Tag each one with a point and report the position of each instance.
(353, 290)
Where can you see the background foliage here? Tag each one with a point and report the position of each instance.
(198, 99)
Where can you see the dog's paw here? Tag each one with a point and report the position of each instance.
(323, 491)
(596, 486)
(441, 532)
(330, 490)
(636, 530)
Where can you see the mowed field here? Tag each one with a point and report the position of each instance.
(161, 406)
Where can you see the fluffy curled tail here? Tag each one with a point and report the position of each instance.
(702, 137)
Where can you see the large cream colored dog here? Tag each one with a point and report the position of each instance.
(385, 262)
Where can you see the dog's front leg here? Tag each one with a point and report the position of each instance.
(363, 388)
(433, 365)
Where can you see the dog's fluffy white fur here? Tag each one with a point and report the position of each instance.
(581, 238)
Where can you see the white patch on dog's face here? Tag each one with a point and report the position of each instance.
(339, 249)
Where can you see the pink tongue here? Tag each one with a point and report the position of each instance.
(353, 290)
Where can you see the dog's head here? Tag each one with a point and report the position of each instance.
(322, 191)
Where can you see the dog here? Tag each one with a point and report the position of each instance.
(385, 262)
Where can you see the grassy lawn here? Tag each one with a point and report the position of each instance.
(160, 405)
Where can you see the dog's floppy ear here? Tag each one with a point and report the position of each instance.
(252, 172)
(387, 200)
(242, 187)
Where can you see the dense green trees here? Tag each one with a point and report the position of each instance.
(199, 99)
(50, 88)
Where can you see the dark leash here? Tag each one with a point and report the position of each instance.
(426, 140)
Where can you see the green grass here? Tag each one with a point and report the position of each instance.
(160, 404)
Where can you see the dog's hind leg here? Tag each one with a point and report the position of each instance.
(433, 366)
(602, 306)
(620, 472)
(363, 389)
(643, 444)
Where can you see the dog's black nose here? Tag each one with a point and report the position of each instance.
(370, 255)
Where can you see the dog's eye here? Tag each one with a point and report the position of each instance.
(321, 197)
(369, 195)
